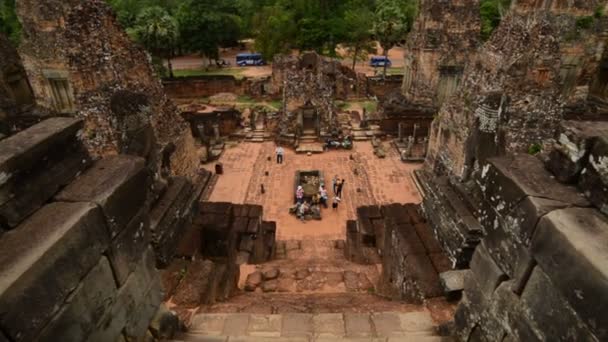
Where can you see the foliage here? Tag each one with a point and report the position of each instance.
(491, 13)
(358, 28)
(9, 25)
(585, 22)
(274, 30)
(393, 20)
(205, 25)
(535, 149)
(157, 31)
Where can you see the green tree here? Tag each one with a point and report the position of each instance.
(158, 32)
(491, 13)
(9, 24)
(392, 22)
(358, 38)
(205, 25)
(274, 30)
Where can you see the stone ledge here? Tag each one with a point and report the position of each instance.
(571, 247)
(118, 184)
(505, 181)
(44, 260)
(26, 148)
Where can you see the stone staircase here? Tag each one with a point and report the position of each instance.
(258, 136)
(76, 238)
(414, 326)
(310, 293)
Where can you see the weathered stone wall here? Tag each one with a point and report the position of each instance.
(196, 87)
(76, 262)
(399, 237)
(518, 87)
(80, 62)
(444, 38)
(537, 274)
(17, 105)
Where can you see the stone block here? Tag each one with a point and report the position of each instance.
(129, 245)
(255, 211)
(419, 269)
(505, 247)
(297, 325)
(358, 325)
(246, 243)
(505, 181)
(594, 178)
(576, 240)
(139, 321)
(56, 247)
(25, 149)
(365, 227)
(441, 262)
(84, 308)
(452, 281)
(570, 155)
(165, 324)
(169, 217)
(133, 301)
(522, 220)
(425, 233)
(397, 213)
(220, 208)
(387, 324)
(27, 189)
(548, 309)
(264, 325)
(507, 309)
(487, 272)
(253, 226)
(407, 240)
(236, 325)
(379, 232)
(118, 184)
(209, 324)
(329, 325)
(370, 212)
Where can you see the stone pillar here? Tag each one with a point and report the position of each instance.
(425, 146)
(200, 128)
(400, 132)
(410, 145)
(414, 134)
(216, 132)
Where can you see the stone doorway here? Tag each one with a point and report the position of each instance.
(310, 120)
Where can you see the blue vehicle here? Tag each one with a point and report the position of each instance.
(380, 61)
(245, 59)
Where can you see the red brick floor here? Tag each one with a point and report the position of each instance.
(375, 181)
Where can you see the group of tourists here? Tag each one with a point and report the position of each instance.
(303, 208)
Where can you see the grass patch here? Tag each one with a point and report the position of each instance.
(236, 72)
(276, 104)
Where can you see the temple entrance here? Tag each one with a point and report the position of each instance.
(309, 120)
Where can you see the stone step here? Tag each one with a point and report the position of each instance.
(36, 163)
(379, 326)
(310, 147)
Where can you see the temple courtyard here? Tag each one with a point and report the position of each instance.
(368, 180)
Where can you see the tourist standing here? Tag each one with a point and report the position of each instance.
(300, 194)
(334, 184)
(339, 188)
(334, 205)
(323, 194)
(279, 151)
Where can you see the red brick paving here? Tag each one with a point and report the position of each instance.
(380, 181)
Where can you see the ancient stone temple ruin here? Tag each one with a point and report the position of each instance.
(492, 226)
(309, 85)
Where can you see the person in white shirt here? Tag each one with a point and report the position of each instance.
(279, 151)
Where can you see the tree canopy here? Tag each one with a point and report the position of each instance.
(9, 25)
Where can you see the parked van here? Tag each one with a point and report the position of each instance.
(380, 61)
(245, 59)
